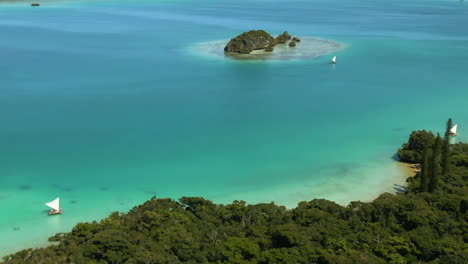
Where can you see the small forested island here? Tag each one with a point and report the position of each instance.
(425, 224)
(252, 40)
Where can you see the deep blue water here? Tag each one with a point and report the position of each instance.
(106, 104)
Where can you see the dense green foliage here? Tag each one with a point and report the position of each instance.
(434, 167)
(424, 176)
(257, 40)
(250, 41)
(418, 142)
(269, 48)
(296, 39)
(282, 38)
(415, 227)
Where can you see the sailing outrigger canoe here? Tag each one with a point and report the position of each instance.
(453, 130)
(55, 205)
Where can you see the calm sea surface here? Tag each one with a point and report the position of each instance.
(107, 103)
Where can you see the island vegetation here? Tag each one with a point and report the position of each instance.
(269, 48)
(252, 40)
(425, 224)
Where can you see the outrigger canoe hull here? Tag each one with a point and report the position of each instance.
(55, 212)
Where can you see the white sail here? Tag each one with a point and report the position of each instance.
(55, 204)
(334, 60)
(454, 129)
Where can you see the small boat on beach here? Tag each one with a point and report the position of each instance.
(453, 130)
(333, 60)
(55, 205)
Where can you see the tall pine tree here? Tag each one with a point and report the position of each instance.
(446, 148)
(449, 126)
(435, 164)
(425, 172)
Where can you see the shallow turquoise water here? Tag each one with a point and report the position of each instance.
(106, 104)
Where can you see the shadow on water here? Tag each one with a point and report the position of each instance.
(68, 189)
(104, 189)
(73, 201)
(345, 168)
(400, 188)
(150, 192)
(16, 228)
(339, 168)
(46, 212)
(25, 187)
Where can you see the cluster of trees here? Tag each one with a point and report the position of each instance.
(424, 225)
(258, 39)
(434, 154)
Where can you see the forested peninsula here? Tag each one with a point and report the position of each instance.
(426, 224)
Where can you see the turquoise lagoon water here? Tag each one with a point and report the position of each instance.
(107, 103)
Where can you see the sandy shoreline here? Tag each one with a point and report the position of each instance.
(409, 169)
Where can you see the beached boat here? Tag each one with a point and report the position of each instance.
(55, 205)
(333, 60)
(453, 130)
